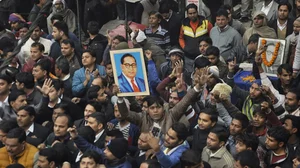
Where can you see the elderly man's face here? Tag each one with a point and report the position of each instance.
(129, 67)
(296, 27)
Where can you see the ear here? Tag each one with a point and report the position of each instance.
(100, 126)
(94, 58)
(32, 118)
(249, 148)
(294, 130)
(280, 144)
(61, 33)
(299, 103)
(52, 164)
(213, 124)
(9, 86)
(278, 76)
(22, 85)
(222, 143)
(45, 73)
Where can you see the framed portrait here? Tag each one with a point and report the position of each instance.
(274, 54)
(130, 72)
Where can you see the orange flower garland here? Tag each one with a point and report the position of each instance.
(274, 55)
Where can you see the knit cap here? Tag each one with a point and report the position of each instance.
(223, 89)
(214, 70)
(118, 147)
(176, 51)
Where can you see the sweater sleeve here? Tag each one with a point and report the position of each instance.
(138, 13)
(77, 84)
(83, 145)
(152, 75)
(167, 161)
(161, 88)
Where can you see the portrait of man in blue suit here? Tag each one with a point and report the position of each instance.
(128, 82)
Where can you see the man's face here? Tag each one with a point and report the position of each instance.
(92, 122)
(212, 142)
(14, 25)
(88, 163)
(288, 125)
(2, 136)
(255, 91)
(129, 67)
(235, 127)
(102, 96)
(192, 14)
(173, 99)
(4, 87)
(166, 15)
(240, 146)
(35, 53)
(203, 47)
(211, 82)
(109, 70)
(36, 34)
(53, 94)
(13, 147)
(237, 164)
(58, 72)
(139, 99)
(108, 155)
(296, 162)
(213, 59)
(153, 21)
(23, 31)
(67, 50)
(19, 102)
(252, 47)
(88, 111)
(258, 120)
(171, 139)
(221, 21)
(296, 27)
(258, 21)
(143, 142)
(57, 112)
(117, 113)
(291, 103)
(88, 59)
(156, 111)
(57, 35)
(204, 121)
(297, 2)
(24, 119)
(285, 77)
(229, 15)
(174, 58)
(114, 44)
(283, 12)
(60, 126)
(38, 73)
(271, 143)
(43, 162)
(58, 6)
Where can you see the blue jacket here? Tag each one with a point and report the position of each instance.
(173, 158)
(126, 87)
(79, 76)
(153, 78)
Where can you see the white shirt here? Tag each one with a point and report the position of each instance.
(281, 27)
(265, 8)
(4, 103)
(98, 136)
(30, 129)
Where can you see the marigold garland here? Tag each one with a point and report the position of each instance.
(274, 55)
(249, 78)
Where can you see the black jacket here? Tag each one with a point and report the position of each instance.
(173, 27)
(98, 44)
(241, 54)
(289, 28)
(287, 162)
(38, 135)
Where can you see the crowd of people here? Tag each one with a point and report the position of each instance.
(59, 103)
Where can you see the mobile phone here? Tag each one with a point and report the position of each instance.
(156, 131)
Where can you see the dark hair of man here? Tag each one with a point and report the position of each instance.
(104, 82)
(63, 153)
(114, 133)
(92, 155)
(155, 100)
(29, 109)
(97, 106)
(164, 7)
(248, 158)
(285, 3)
(191, 6)
(221, 133)
(249, 139)
(120, 38)
(62, 26)
(68, 41)
(212, 113)
(92, 92)
(181, 131)
(63, 64)
(243, 119)
(190, 158)
(7, 125)
(70, 122)
(62, 106)
(295, 122)
(26, 78)
(226, 7)
(287, 67)
(14, 94)
(17, 133)
(38, 45)
(126, 55)
(152, 163)
(157, 14)
(91, 52)
(254, 38)
(57, 17)
(280, 134)
(23, 25)
(87, 133)
(222, 12)
(57, 84)
(15, 165)
(212, 50)
(44, 64)
(50, 154)
(207, 39)
(6, 78)
(93, 27)
(257, 111)
(295, 91)
(100, 118)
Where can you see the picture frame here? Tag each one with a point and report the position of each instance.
(271, 43)
(129, 71)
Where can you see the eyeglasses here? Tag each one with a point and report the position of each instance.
(127, 65)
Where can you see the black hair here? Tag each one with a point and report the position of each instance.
(191, 6)
(285, 3)
(190, 158)
(6, 78)
(44, 64)
(280, 134)
(157, 14)
(243, 119)
(29, 109)
(226, 7)
(287, 67)
(7, 125)
(15, 165)
(62, 153)
(93, 27)
(26, 78)
(62, 26)
(254, 38)
(222, 12)
(57, 84)
(126, 55)
(63, 64)
(92, 92)
(296, 91)
(164, 8)
(70, 122)
(57, 17)
(14, 94)
(207, 39)
(212, 50)
(38, 45)
(17, 133)
(221, 133)
(114, 133)
(87, 133)
(100, 118)
(92, 155)
(248, 158)
(212, 113)
(120, 38)
(50, 154)
(91, 52)
(23, 25)
(97, 106)
(295, 122)
(257, 110)
(249, 139)
(63, 106)
(68, 41)
(155, 100)
(181, 130)
(152, 163)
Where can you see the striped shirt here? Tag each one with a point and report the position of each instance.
(160, 37)
(124, 130)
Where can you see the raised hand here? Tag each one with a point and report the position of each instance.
(109, 39)
(179, 67)
(153, 142)
(148, 54)
(202, 78)
(265, 107)
(231, 65)
(179, 83)
(47, 86)
(261, 49)
(96, 73)
(73, 132)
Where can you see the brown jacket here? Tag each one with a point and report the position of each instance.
(176, 114)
